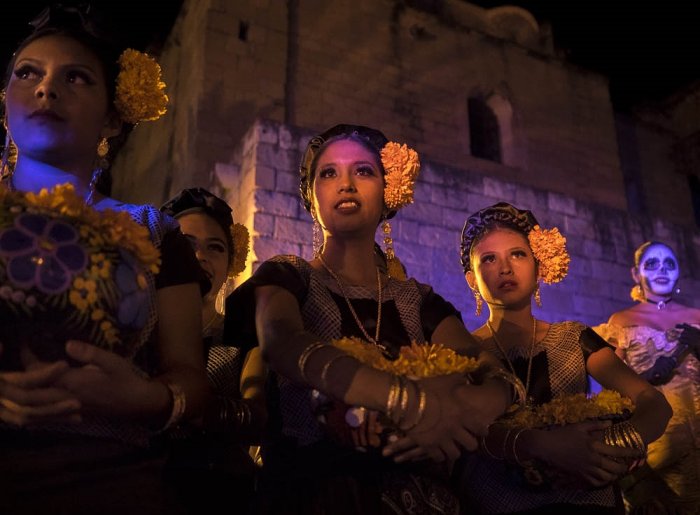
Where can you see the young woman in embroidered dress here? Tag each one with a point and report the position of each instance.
(210, 463)
(352, 179)
(74, 437)
(659, 338)
(505, 254)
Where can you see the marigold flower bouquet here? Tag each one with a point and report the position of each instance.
(415, 361)
(561, 411)
(571, 409)
(68, 271)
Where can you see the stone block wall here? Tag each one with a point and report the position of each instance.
(263, 188)
(408, 67)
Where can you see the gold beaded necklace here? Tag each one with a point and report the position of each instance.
(374, 340)
(529, 359)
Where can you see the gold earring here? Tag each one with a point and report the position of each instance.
(103, 148)
(316, 239)
(538, 299)
(479, 302)
(393, 265)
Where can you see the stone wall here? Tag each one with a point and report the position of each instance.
(408, 67)
(262, 186)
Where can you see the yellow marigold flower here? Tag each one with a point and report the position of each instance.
(97, 314)
(549, 248)
(140, 94)
(241, 246)
(572, 408)
(415, 360)
(401, 165)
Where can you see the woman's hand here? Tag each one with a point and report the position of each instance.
(32, 397)
(108, 384)
(456, 414)
(578, 452)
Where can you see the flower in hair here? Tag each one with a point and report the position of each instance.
(401, 165)
(241, 246)
(549, 249)
(140, 94)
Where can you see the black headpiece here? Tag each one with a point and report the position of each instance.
(200, 200)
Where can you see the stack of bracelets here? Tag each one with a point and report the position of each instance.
(397, 402)
(624, 434)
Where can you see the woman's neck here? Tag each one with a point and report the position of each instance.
(32, 175)
(353, 260)
(510, 318)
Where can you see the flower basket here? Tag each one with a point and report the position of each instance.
(68, 271)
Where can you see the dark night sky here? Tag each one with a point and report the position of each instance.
(648, 49)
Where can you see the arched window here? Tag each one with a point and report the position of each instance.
(484, 130)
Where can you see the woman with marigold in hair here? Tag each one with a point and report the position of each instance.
(659, 338)
(99, 300)
(326, 450)
(568, 467)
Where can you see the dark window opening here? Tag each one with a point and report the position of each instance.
(243, 31)
(484, 133)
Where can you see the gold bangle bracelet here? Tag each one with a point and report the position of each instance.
(515, 440)
(327, 366)
(304, 357)
(179, 404)
(393, 397)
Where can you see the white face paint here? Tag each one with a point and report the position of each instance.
(658, 271)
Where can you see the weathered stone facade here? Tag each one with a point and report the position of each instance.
(251, 80)
(263, 190)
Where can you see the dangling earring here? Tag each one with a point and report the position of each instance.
(677, 289)
(317, 239)
(220, 300)
(637, 293)
(479, 302)
(538, 299)
(393, 265)
(103, 148)
(9, 157)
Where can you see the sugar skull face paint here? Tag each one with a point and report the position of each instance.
(658, 270)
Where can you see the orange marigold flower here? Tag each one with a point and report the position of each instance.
(401, 165)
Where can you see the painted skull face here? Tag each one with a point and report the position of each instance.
(658, 270)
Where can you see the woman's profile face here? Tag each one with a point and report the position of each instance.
(210, 246)
(348, 188)
(658, 270)
(503, 268)
(57, 105)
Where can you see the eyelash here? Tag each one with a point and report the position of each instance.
(27, 72)
(23, 71)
